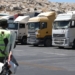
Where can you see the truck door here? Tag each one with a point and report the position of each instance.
(43, 29)
(22, 30)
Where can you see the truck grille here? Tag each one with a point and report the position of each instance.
(59, 41)
(32, 33)
(58, 35)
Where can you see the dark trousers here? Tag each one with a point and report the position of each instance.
(2, 59)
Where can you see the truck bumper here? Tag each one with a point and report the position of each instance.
(34, 41)
(61, 42)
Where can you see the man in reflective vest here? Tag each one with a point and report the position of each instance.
(6, 41)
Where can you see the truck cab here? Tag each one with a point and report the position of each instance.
(40, 29)
(21, 27)
(63, 30)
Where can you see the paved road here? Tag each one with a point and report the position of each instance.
(44, 60)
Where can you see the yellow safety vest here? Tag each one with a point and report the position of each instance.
(3, 34)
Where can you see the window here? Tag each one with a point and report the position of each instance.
(72, 25)
(43, 25)
(61, 24)
(13, 26)
(33, 25)
(22, 25)
(11, 18)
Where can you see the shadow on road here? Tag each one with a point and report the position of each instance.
(38, 46)
(22, 44)
(64, 48)
(61, 48)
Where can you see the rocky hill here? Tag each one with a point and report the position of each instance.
(21, 6)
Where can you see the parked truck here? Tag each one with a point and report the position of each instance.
(20, 27)
(63, 32)
(40, 29)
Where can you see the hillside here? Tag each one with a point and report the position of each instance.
(21, 6)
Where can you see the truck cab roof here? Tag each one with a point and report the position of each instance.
(46, 14)
(38, 19)
(65, 16)
(22, 19)
(42, 17)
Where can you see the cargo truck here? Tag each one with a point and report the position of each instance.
(63, 31)
(40, 29)
(20, 27)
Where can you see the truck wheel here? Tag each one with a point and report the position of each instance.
(48, 42)
(24, 41)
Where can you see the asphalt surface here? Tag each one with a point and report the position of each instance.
(44, 60)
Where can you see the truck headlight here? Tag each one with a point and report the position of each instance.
(37, 33)
(28, 35)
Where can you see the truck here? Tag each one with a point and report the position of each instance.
(19, 25)
(40, 29)
(63, 35)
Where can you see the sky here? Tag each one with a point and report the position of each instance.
(72, 1)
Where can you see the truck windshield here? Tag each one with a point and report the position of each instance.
(33, 25)
(13, 26)
(61, 24)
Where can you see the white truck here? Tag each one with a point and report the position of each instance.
(63, 31)
(19, 25)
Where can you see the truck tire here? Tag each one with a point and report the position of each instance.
(48, 42)
(24, 41)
